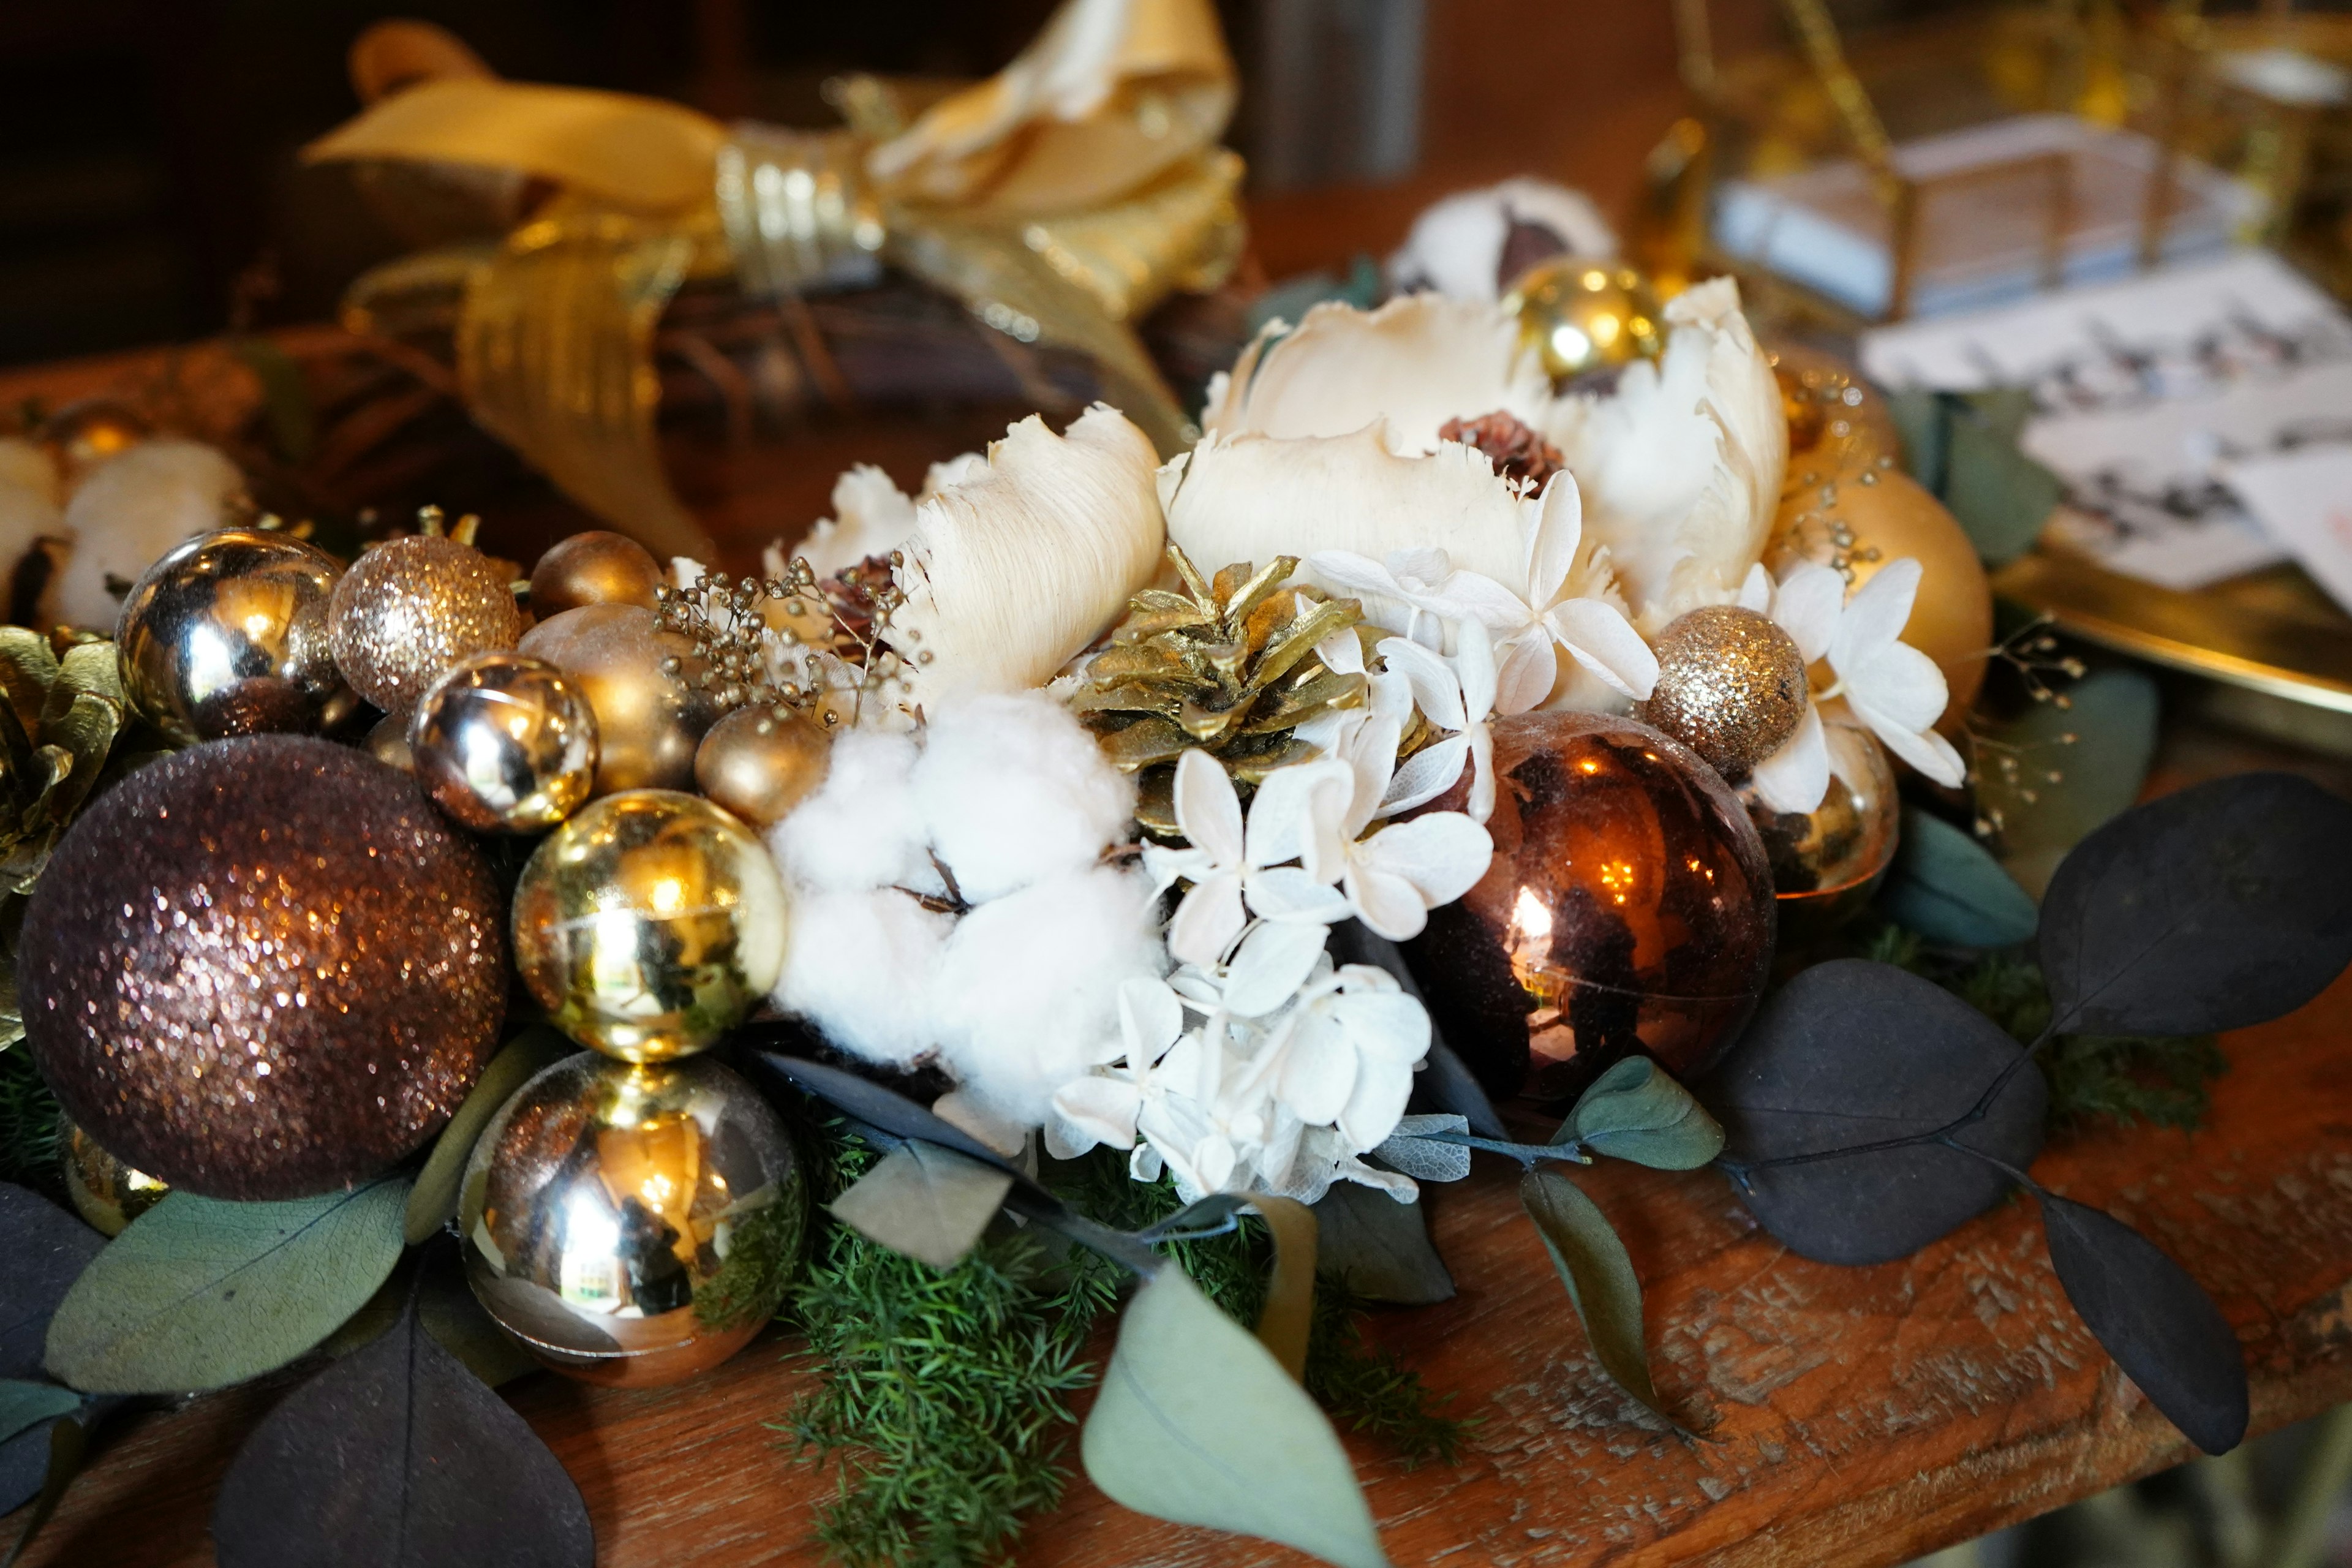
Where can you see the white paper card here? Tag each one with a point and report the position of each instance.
(2304, 500)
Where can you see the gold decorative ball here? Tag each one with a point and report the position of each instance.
(105, 1192)
(1580, 316)
(649, 924)
(410, 607)
(634, 1224)
(80, 435)
(1732, 686)
(649, 721)
(1860, 514)
(387, 742)
(598, 567)
(759, 763)
(1827, 863)
(1834, 416)
(226, 634)
(504, 743)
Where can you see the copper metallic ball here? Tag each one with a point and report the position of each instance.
(410, 607)
(648, 722)
(226, 634)
(634, 1224)
(649, 924)
(504, 743)
(1582, 316)
(1629, 908)
(262, 968)
(598, 567)
(760, 763)
(105, 1192)
(1827, 863)
(1732, 686)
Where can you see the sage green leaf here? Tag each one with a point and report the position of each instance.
(1948, 888)
(929, 1203)
(23, 1404)
(1378, 1248)
(434, 1200)
(1198, 1424)
(1410, 1150)
(2111, 715)
(1289, 1311)
(1998, 495)
(68, 1444)
(1637, 1112)
(1599, 1275)
(199, 1294)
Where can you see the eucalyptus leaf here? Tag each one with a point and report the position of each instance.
(2002, 497)
(1410, 1150)
(397, 1457)
(199, 1294)
(1379, 1248)
(1198, 1424)
(1947, 887)
(1210, 1216)
(68, 1444)
(1447, 1082)
(887, 1108)
(1593, 1263)
(1289, 1315)
(447, 1306)
(433, 1202)
(1850, 1104)
(2162, 1329)
(46, 1250)
(2221, 905)
(1637, 1112)
(929, 1203)
(2111, 715)
(23, 1404)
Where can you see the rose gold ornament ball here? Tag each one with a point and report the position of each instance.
(410, 607)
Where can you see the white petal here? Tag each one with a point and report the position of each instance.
(1391, 699)
(1388, 904)
(1604, 642)
(1474, 662)
(1436, 690)
(1807, 605)
(1287, 893)
(1167, 867)
(1207, 808)
(1797, 777)
(1318, 1072)
(1471, 596)
(1208, 919)
(1274, 962)
(1482, 781)
(1424, 563)
(1145, 1164)
(1441, 855)
(1529, 670)
(1923, 747)
(1876, 615)
(1102, 1108)
(1559, 529)
(1756, 590)
(1381, 1090)
(1150, 1016)
(1387, 1025)
(1901, 685)
(1342, 652)
(1426, 774)
(1294, 810)
(1345, 571)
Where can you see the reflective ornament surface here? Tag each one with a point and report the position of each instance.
(759, 763)
(634, 1224)
(649, 924)
(105, 1192)
(85, 434)
(226, 634)
(387, 742)
(504, 743)
(1628, 907)
(1827, 863)
(410, 607)
(1583, 317)
(1859, 515)
(648, 723)
(263, 968)
(1833, 413)
(598, 567)
(1732, 686)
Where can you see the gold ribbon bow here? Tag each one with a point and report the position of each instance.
(1059, 200)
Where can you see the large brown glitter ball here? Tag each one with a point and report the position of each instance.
(1629, 908)
(410, 608)
(1732, 686)
(262, 968)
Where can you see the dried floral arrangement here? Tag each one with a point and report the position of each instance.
(1089, 886)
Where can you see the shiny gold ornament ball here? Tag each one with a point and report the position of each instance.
(1833, 413)
(1826, 863)
(80, 435)
(649, 924)
(1583, 316)
(648, 722)
(1732, 686)
(504, 743)
(760, 763)
(597, 567)
(410, 607)
(107, 1192)
(262, 968)
(387, 742)
(634, 1224)
(226, 634)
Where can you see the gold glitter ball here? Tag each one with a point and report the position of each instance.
(262, 968)
(410, 608)
(1732, 686)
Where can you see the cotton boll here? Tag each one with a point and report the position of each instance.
(127, 513)
(25, 514)
(861, 829)
(859, 966)
(1013, 789)
(1027, 991)
(27, 464)
(1462, 248)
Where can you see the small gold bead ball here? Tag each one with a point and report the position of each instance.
(598, 567)
(1580, 316)
(760, 764)
(105, 1190)
(410, 608)
(649, 924)
(1732, 686)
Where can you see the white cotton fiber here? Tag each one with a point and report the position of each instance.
(1014, 790)
(27, 464)
(25, 514)
(861, 830)
(860, 967)
(130, 511)
(1027, 988)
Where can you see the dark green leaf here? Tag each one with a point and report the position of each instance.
(1198, 1424)
(199, 1294)
(2111, 715)
(68, 1443)
(1637, 1112)
(1600, 1277)
(433, 1202)
(1948, 888)
(23, 1404)
(1851, 1103)
(397, 1457)
(885, 1108)
(2162, 1329)
(2221, 905)
(446, 1305)
(930, 1203)
(2001, 496)
(46, 1251)
(1378, 1248)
